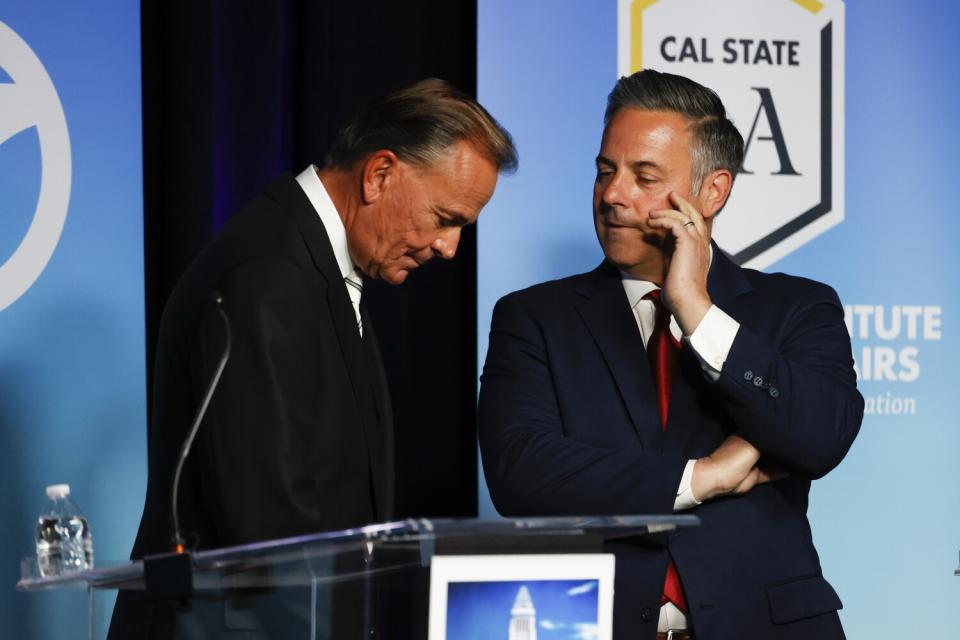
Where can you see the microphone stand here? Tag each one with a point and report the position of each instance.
(171, 574)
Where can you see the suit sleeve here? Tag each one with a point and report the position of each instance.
(797, 403)
(259, 438)
(531, 466)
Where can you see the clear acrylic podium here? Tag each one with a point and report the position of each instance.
(358, 583)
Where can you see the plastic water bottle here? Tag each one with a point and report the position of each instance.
(64, 542)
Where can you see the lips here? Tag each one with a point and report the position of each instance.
(614, 220)
(618, 224)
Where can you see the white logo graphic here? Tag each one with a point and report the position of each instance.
(32, 101)
(778, 67)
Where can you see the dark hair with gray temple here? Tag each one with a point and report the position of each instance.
(419, 124)
(717, 143)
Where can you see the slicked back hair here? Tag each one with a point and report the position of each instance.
(716, 142)
(420, 123)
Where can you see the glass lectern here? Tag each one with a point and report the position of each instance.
(358, 583)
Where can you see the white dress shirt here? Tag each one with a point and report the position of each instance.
(310, 182)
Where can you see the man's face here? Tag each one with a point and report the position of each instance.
(421, 213)
(644, 155)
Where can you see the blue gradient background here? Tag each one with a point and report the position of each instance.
(72, 366)
(886, 522)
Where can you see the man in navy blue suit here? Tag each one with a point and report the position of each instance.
(669, 378)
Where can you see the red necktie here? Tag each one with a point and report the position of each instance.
(662, 351)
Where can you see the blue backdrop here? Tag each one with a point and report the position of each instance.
(72, 370)
(886, 521)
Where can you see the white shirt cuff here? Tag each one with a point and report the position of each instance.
(712, 339)
(685, 498)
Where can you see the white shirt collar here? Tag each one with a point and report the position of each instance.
(310, 182)
(636, 289)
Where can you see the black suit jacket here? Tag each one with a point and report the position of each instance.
(569, 425)
(298, 436)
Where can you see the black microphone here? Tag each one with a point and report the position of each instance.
(178, 540)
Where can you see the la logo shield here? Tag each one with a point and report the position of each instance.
(778, 67)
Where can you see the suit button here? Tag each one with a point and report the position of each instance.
(647, 614)
(758, 381)
(774, 392)
(748, 375)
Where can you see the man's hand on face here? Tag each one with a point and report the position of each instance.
(685, 285)
(731, 469)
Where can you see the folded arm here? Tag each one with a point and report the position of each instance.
(797, 403)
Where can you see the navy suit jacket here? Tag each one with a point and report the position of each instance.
(569, 425)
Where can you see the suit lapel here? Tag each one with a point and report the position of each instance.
(288, 193)
(726, 279)
(610, 321)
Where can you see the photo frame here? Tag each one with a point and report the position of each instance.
(522, 597)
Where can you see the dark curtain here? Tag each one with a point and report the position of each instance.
(234, 94)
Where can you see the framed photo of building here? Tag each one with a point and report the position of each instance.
(522, 597)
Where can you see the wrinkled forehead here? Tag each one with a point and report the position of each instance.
(463, 176)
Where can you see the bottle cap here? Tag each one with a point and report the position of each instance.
(58, 491)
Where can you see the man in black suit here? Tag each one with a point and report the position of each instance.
(298, 434)
(669, 378)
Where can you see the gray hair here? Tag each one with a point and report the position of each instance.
(419, 124)
(716, 142)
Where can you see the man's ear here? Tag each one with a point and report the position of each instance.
(379, 170)
(715, 191)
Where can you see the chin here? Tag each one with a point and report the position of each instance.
(620, 253)
(395, 277)
(629, 258)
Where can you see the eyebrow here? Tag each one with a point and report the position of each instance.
(636, 165)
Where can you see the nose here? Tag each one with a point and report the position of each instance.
(445, 245)
(611, 190)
